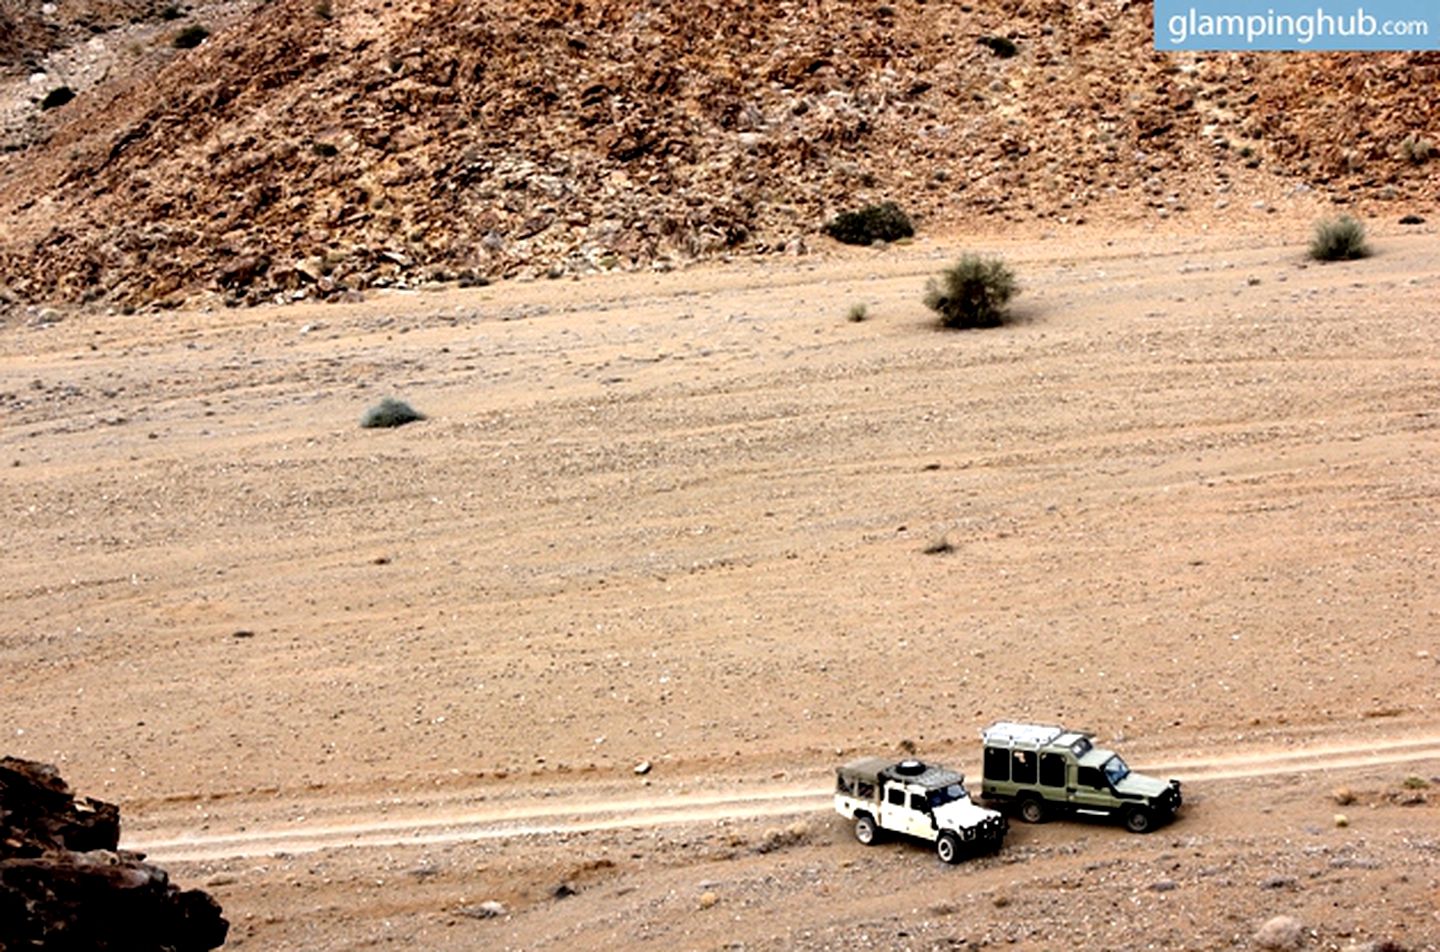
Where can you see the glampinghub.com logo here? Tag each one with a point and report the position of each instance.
(1228, 25)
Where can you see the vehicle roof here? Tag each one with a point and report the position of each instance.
(1013, 734)
(866, 768)
(931, 778)
(925, 775)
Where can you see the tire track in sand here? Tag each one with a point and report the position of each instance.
(558, 817)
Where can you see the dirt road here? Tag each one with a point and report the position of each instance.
(578, 813)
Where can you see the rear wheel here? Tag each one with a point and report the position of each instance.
(1138, 820)
(1032, 810)
(947, 847)
(865, 829)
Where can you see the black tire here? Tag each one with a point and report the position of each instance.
(947, 847)
(1032, 810)
(1139, 820)
(865, 829)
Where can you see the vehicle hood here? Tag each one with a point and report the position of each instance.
(1136, 784)
(959, 814)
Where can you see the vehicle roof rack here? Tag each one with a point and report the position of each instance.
(1009, 733)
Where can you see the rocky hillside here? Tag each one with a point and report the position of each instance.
(317, 147)
(64, 884)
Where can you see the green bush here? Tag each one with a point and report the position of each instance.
(857, 313)
(1339, 239)
(883, 222)
(1416, 150)
(190, 37)
(972, 293)
(390, 413)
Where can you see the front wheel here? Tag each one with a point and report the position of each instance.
(1032, 810)
(947, 847)
(865, 829)
(1138, 820)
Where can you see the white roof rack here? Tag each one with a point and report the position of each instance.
(1011, 733)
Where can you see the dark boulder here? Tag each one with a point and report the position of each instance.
(65, 885)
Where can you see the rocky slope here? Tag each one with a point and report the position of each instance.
(64, 886)
(318, 147)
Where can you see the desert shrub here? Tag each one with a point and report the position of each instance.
(883, 222)
(972, 293)
(941, 546)
(390, 413)
(1339, 239)
(1001, 46)
(171, 12)
(57, 97)
(1415, 149)
(190, 37)
(857, 313)
(326, 150)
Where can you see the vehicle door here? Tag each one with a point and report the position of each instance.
(1090, 790)
(908, 812)
(1054, 778)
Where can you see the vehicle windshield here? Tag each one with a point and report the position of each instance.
(1115, 770)
(943, 795)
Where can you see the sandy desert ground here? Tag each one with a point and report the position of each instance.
(358, 682)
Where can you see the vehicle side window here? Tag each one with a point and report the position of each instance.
(917, 802)
(842, 785)
(997, 764)
(865, 790)
(1022, 766)
(1091, 777)
(896, 796)
(1052, 770)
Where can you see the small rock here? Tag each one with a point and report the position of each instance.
(242, 633)
(708, 900)
(1343, 796)
(1164, 885)
(1282, 933)
(1277, 882)
(1412, 220)
(1341, 820)
(562, 891)
(642, 768)
(489, 909)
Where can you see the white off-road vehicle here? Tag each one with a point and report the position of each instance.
(915, 799)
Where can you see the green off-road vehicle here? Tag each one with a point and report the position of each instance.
(1044, 771)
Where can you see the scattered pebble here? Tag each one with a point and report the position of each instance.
(1282, 933)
